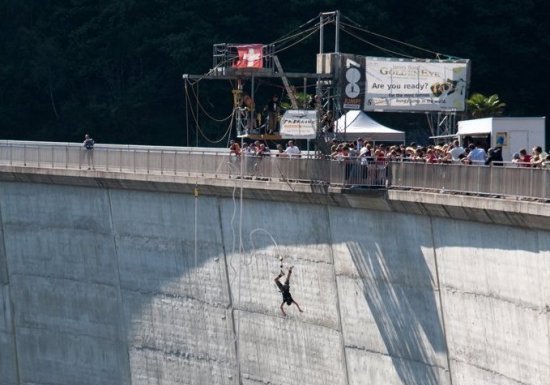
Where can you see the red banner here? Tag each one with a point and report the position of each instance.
(250, 56)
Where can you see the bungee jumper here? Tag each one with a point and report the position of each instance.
(285, 290)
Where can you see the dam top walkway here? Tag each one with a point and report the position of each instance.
(509, 181)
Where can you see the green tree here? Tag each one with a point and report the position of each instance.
(114, 68)
(481, 106)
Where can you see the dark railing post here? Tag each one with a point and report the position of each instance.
(478, 177)
(389, 173)
(545, 183)
(491, 175)
(531, 181)
(107, 159)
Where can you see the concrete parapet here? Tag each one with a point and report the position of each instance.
(504, 211)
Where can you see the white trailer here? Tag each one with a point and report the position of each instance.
(512, 133)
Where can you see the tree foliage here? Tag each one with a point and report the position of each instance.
(481, 106)
(113, 68)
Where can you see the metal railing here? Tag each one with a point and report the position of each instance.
(509, 180)
(189, 162)
(179, 161)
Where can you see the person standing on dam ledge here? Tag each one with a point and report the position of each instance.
(88, 145)
(285, 291)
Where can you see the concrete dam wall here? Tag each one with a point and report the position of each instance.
(102, 285)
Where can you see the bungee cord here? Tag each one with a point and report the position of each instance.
(307, 34)
(205, 112)
(278, 251)
(284, 37)
(359, 28)
(376, 45)
(199, 129)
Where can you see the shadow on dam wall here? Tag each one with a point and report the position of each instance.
(390, 259)
(407, 316)
(105, 287)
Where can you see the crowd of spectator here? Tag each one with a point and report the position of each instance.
(249, 157)
(365, 151)
(453, 152)
(260, 149)
(361, 162)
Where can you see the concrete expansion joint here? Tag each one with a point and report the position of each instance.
(248, 311)
(493, 372)
(78, 280)
(251, 379)
(326, 327)
(180, 353)
(315, 261)
(161, 295)
(512, 301)
(64, 330)
(289, 318)
(383, 280)
(364, 349)
(84, 226)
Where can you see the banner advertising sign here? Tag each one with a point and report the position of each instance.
(299, 124)
(250, 56)
(415, 85)
(353, 81)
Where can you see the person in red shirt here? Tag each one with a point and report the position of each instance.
(430, 156)
(524, 158)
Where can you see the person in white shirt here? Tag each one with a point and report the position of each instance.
(456, 151)
(292, 150)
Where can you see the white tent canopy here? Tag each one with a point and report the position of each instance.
(357, 123)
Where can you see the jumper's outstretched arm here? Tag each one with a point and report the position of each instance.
(298, 306)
